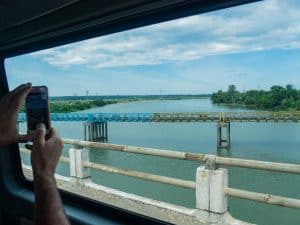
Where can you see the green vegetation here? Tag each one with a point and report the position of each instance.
(277, 98)
(129, 98)
(67, 104)
(73, 106)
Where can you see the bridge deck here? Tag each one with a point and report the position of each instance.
(254, 116)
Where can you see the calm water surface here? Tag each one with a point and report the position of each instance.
(278, 142)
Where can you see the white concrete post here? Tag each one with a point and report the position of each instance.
(72, 158)
(202, 188)
(77, 159)
(210, 189)
(218, 183)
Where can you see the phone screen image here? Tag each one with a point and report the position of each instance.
(37, 109)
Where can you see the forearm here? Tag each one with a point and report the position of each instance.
(48, 208)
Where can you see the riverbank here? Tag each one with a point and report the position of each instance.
(66, 104)
(74, 106)
(255, 108)
(276, 99)
(128, 98)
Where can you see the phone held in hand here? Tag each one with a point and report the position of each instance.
(37, 108)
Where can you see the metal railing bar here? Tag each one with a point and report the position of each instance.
(62, 158)
(137, 150)
(142, 175)
(233, 162)
(255, 164)
(264, 198)
(232, 192)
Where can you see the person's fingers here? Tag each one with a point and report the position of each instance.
(50, 134)
(40, 133)
(23, 138)
(10, 95)
(53, 133)
(29, 146)
(55, 138)
(19, 94)
(19, 89)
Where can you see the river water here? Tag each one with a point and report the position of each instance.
(278, 142)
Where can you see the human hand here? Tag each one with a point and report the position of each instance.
(45, 152)
(9, 109)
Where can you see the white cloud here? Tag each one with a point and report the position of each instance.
(271, 24)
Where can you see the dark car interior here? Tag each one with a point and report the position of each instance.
(31, 25)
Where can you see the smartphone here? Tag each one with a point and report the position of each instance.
(37, 108)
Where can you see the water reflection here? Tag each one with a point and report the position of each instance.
(224, 152)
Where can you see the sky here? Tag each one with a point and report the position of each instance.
(253, 46)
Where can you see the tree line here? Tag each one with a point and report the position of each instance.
(277, 98)
(74, 106)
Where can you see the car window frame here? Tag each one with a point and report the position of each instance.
(18, 190)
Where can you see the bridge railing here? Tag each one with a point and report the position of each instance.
(254, 116)
(232, 116)
(234, 162)
(211, 184)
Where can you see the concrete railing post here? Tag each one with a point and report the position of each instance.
(218, 183)
(78, 156)
(202, 188)
(210, 189)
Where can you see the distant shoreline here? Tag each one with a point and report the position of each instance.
(128, 97)
(278, 98)
(68, 104)
(65, 104)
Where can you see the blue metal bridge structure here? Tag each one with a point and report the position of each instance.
(249, 116)
(98, 117)
(96, 129)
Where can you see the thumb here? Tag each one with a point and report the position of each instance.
(40, 133)
(19, 94)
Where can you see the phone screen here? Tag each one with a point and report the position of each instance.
(37, 108)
